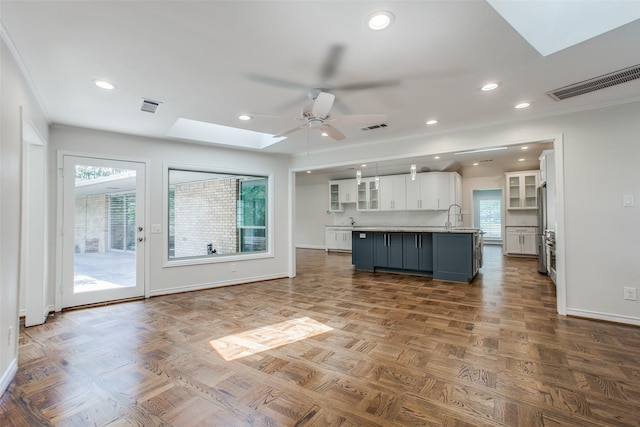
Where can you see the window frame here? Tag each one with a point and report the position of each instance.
(226, 258)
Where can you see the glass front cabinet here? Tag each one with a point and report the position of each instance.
(368, 195)
(522, 190)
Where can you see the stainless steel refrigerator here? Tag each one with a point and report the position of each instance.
(542, 226)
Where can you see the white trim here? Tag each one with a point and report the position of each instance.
(8, 375)
(241, 256)
(561, 281)
(212, 285)
(291, 233)
(588, 314)
(303, 246)
(60, 154)
(25, 72)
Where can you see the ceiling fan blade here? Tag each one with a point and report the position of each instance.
(323, 104)
(332, 132)
(289, 131)
(359, 118)
(276, 82)
(366, 85)
(330, 64)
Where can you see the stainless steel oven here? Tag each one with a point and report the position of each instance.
(550, 243)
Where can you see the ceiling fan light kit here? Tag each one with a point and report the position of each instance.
(317, 116)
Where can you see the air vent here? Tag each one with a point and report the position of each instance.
(596, 83)
(149, 106)
(376, 126)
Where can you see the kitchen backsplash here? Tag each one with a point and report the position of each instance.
(382, 218)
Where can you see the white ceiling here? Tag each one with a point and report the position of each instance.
(212, 60)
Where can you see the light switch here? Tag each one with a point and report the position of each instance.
(156, 228)
(628, 200)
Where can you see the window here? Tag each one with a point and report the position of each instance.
(487, 206)
(213, 214)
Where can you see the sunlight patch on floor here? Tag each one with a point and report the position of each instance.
(268, 337)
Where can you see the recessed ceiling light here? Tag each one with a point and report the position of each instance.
(103, 84)
(324, 134)
(436, 157)
(308, 171)
(521, 160)
(489, 86)
(524, 148)
(432, 122)
(523, 105)
(476, 164)
(380, 20)
(364, 166)
(244, 117)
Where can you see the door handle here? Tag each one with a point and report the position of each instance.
(140, 239)
(139, 229)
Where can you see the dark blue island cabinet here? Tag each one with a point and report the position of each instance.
(362, 250)
(387, 250)
(417, 251)
(453, 256)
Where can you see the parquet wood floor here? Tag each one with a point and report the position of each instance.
(402, 351)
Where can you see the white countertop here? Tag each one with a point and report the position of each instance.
(416, 229)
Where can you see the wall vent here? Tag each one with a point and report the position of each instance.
(376, 126)
(596, 83)
(149, 106)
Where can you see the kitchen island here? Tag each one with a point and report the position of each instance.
(446, 254)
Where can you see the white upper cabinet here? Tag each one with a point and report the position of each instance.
(341, 191)
(392, 193)
(347, 191)
(522, 190)
(368, 195)
(433, 190)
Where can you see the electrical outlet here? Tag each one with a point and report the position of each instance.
(234, 267)
(630, 293)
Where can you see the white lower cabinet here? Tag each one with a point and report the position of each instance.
(521, 241)
(337, 239)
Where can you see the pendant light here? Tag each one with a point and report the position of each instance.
(413, 172)
(358, 176)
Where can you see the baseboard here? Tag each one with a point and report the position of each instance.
(302, 246)
(8, 376)
(628, 320)
(203, 286)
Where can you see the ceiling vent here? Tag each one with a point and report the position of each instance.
(596, 83)
(376, 126)
(149, 106)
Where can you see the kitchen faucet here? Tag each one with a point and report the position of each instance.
(448, 224)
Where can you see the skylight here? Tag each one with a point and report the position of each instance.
(217, 134)
(550, 26)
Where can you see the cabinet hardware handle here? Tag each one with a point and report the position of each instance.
(416, 238)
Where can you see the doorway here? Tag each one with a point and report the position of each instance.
(103, 230)
(487, 214)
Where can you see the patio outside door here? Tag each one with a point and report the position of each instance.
(103, 230)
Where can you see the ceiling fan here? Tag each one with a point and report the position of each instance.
(316, 116)
(327, 72)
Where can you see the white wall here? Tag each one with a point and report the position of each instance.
(312, 202)
(16, 102)
(601, 164)
(155, 152)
